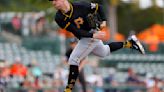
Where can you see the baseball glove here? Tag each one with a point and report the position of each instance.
(94, 20)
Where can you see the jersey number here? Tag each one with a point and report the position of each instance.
(79, 21)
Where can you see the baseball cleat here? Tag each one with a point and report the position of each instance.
(135, 44)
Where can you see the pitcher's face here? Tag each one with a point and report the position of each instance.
(58, 4)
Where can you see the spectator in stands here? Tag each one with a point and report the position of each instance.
(60, 76)
(18, 69)
(133, 79)
(162, 84)
(110, 80)
(5, 70)
(96, 80)
(152, 84)
(4, 75)
(16, 24)
(156, 87)
(41, 26)
(35, 73)
(149, 82)
(35, 69)
(56, 84)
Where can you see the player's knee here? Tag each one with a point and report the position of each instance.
(102, 55)
(73, 61)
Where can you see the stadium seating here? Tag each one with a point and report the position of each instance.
(120, 61)
(47, 61)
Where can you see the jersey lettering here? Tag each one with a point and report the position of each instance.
(79, 21)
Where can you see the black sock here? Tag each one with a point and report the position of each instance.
(115, 46)
(73, 74)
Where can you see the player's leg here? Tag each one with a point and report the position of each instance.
(101, 50)
(82, 80)
(82, 49)
(104, 50)
(132, 43)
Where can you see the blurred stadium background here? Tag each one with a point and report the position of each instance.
(32, 48)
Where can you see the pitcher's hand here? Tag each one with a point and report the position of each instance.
(99, 35)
